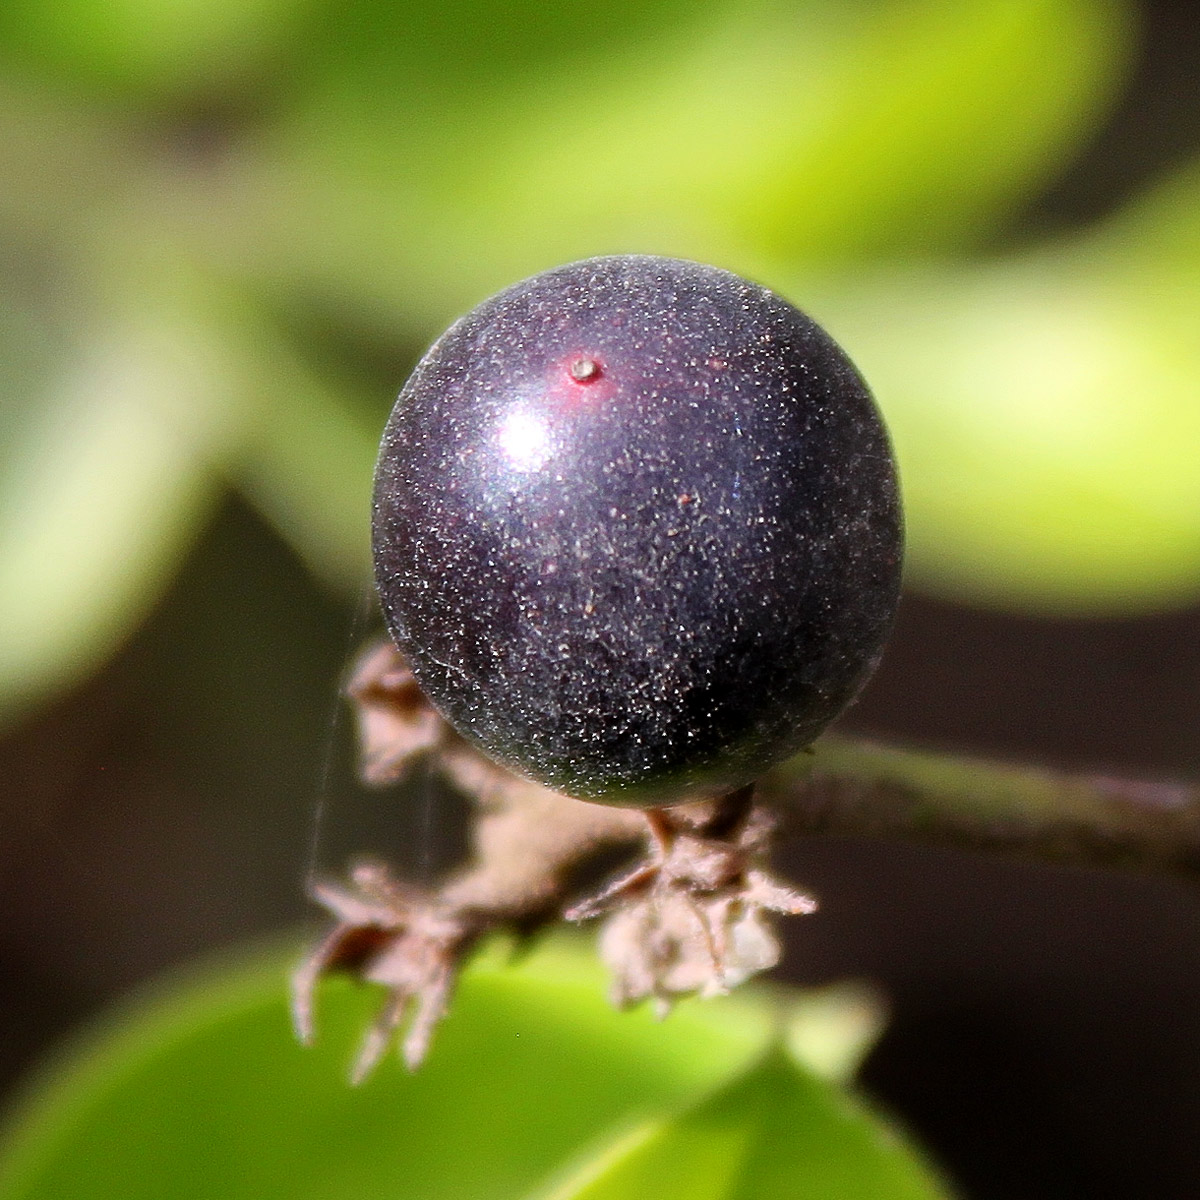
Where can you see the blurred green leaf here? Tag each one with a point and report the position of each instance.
(815, 133)
(99, 498)
(416, 157)
(534, 1080)
(405, 53)
(147, 48)
(203, 1092)
(775, 1133)
(945, 118)
(307, 465)
(767, 137)
(60, 159)
(1045, 411)
(834, 1029)
(26, 358)
(112, 466)
(117, 446)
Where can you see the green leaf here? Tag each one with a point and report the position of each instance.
(943, 119)
(773, 1134)
(105, 484)
(769, 138)
(833, 1028)
(63, 161)
(116, 455)
(306, 458)
(26, 360)
(308, 470)
(148, 47)
(203, 1092)
(811, 134)
(1044, 412)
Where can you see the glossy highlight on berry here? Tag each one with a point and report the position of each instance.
(637, 529)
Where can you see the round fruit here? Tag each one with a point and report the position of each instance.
(636, 529)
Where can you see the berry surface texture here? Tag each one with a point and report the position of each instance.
(637, 530)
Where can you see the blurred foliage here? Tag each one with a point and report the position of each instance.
(536, 1088)
(230, 228)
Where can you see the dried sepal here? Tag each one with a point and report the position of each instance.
(396, 724)
(694, 917)
(390, 934)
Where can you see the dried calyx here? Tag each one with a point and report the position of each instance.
(694, 915)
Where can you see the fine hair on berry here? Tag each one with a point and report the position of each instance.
(637, 529)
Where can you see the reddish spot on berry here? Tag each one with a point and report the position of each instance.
(584, 370)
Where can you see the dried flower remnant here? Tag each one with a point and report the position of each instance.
(694, 916)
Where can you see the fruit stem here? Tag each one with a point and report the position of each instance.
(861, 788)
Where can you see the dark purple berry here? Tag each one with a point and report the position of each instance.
(636, 528)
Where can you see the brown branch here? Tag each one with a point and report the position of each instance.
(866, 789)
